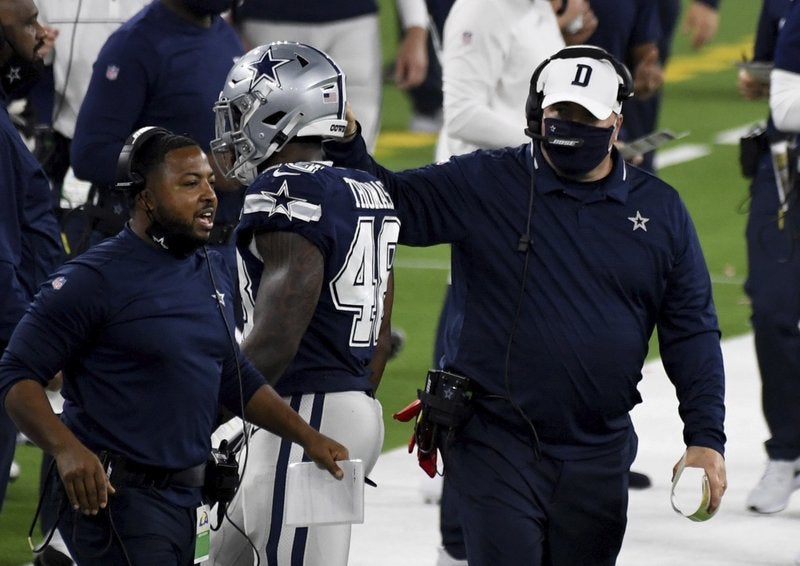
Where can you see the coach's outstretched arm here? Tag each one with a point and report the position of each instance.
(267, 410)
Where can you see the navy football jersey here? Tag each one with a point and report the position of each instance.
(350, 217)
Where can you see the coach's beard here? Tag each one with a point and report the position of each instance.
(172, 235)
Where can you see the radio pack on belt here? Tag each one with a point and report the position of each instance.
(442, 405)
(222, 475)
(751, 147)
(445, 398)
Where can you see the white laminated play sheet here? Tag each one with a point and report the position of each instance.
(315, 497)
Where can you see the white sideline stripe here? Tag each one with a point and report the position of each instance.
(680, 154)
(422, 263)
(731, 137)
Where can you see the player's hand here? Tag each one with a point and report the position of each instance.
(713, 464)
(84, 479)
(701, 22)
(326, 452)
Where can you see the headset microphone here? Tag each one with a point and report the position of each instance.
(554, 140)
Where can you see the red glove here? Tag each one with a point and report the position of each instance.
(423, 436)
(407, 413)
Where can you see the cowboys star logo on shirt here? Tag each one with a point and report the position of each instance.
(639, 221)
(219, 297)
(13, 74)
(266, 66)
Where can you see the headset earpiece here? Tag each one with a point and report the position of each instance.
(127, 179)
(533, 106)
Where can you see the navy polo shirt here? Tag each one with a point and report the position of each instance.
(146, 355)
(609, 262)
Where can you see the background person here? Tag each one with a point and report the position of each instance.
(700, 21)
(784, 101)
(350, 33)
(773, 267)
(79, 30)
(164, 67)
(30, 246)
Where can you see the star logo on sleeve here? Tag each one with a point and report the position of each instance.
(281, 202)
(266, 66)
(639, 221)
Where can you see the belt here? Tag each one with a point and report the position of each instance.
(221, 234)
(125, 472)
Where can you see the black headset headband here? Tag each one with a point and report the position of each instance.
(127, 179)
(533, 107)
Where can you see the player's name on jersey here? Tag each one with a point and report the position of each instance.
(369, 194)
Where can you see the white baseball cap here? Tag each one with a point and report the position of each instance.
(592, 83)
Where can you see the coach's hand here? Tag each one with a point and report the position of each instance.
(326, 452)
(351, 129)
(84, 479)
(713, 464)
(80, 470)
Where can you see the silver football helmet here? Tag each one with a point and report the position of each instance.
(274, 93)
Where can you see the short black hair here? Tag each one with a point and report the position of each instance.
(151, 156)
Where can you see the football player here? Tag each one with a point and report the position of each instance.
(316, 247)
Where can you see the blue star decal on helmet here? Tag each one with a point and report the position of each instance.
(266, 66)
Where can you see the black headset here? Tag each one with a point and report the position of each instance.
(129, 180)
(533, 106)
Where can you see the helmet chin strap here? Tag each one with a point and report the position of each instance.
(282, 138)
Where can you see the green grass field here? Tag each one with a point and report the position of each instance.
(700, 97)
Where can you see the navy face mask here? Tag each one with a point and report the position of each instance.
(577, 159)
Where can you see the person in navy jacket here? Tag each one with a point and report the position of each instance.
(30, 245)
(774, 266)
(142, 327)
(165, 66)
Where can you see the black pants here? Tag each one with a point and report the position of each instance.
(516, 509)
(773, 280)
(138, 528)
